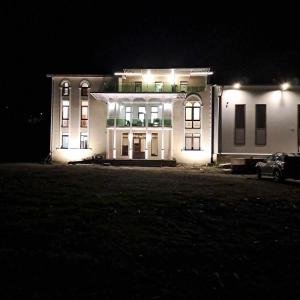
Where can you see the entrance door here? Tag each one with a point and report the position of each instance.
(139, 143)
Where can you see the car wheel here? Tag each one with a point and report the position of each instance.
(277, 176)
(258, 173)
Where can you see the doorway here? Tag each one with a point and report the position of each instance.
(139, 145)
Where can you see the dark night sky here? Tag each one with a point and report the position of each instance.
(251, 44)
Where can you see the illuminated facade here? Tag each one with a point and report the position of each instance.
(168, 114)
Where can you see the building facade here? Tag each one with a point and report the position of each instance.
(168, 114)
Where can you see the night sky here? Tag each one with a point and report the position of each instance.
(250, 44)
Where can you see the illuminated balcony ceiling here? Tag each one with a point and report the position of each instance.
(166, 72)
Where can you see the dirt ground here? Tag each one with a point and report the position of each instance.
(94, 232)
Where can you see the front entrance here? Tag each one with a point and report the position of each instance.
(139, 143)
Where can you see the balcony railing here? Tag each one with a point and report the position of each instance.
(152, 88)
(110, 122)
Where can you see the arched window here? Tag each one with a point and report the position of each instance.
(193, 115)
(65, 85)
(84, 88)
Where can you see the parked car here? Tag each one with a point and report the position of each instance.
(279, 166)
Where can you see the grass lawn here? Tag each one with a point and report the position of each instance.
(94, 232)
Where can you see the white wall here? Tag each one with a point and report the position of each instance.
(281, 119)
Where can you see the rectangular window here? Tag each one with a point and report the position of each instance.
(154, 114)
(84, 113)
(239, 135)
(65, 141)
(141, 115)
(84, 91)
(260, 124)
(125, 144)
(83, 141)
(65, 113)
(183, 86)
(192, 141)
(298, 128)
(154, 144)
(127, 115)
(138, 86)
(65, 91)
(159, 87)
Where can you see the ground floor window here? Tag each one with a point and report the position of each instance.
(83, 141)
(125, 144)
(192, 141)
(65, 141)
(154, 144)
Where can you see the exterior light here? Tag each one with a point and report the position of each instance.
(285, 86)
(172, 77)
(237, 86)
(127, 74)
(148, 78)
(201, 73)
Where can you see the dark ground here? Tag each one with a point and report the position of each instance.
(91, 232)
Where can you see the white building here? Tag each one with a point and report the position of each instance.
(169, 114)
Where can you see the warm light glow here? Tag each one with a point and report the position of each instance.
(148, 78)
(285, 86)
(237, 85)
(171, 77)
(127, 74)
(201, 73)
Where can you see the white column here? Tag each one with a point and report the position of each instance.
(114, 133)
(107, 143)
(171, 132)
(162, 152)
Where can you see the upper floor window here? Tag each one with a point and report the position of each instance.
(154, 115)
(159, 87)
(183, 86)
(84, 88)
(65, 88)
(193, 115)
(84, 113)
(65, 113)
(128, 115)
(138, 86)
(239, 136)
(141, 115)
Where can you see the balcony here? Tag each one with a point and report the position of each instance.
(139, 123)
(131, 87)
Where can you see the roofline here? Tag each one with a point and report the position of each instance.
(78, 75)
(258, 86)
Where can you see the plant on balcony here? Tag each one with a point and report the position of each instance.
(156, 122)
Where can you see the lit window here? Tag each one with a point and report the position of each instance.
(127, 115)
(141, 115)
(193, 115)
(159, 87)
(154, 114)
(83, 141)
(84, 113)
(65, 113)
(65, 141)
(65, 89)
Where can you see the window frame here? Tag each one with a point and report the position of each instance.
(84, 121)
(260, 128)
(243, 143)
